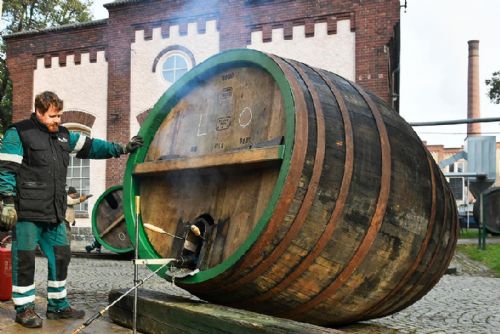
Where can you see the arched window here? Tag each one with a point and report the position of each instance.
(174, 66)
(79, 175)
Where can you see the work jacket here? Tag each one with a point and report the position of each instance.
(33, 166)
(41, 180)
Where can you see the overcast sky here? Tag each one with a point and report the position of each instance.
(434, 52)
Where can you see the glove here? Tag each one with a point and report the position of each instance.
(133, 144)
(9, 216)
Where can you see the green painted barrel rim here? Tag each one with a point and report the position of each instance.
(94, 222)
(210, 67)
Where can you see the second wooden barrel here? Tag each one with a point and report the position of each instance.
(313, 199)
(108, 221)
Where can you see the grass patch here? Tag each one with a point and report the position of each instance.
(469, 233)
(490, 256)
(473, 233)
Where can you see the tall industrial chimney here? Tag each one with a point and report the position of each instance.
(473, 111)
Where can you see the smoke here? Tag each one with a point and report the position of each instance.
(194, 6)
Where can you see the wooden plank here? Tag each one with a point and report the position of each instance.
(160, 313)
(117, 221)
(238, 157)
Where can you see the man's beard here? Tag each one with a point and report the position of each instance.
(53, 128)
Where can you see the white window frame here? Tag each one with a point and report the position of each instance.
(169, 54)
(83, 188)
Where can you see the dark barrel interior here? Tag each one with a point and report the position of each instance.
(491, 210)
(293, 191)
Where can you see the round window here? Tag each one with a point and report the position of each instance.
(174, 67)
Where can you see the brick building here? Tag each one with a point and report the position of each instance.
(111, 72)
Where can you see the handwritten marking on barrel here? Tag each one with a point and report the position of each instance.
(245, 117)
(226, 95)
(227, 76)
(200, 123)
(223, 123)
(121, 236)
(245, 140)
(219, 146)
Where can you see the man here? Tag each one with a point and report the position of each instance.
(34, 159)
(73, 199)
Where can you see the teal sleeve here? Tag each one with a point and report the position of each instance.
(102, 149)
(11, 157)
(93, 148)
(73, 139)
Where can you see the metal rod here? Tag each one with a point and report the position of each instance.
(136, 256)
(457, 121)
(101, 313)
(480, 220)
(483, 224)
(468, 202)
(160, 230)
(478, 175)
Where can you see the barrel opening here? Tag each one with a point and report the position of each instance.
(194, 241)
(111, 200)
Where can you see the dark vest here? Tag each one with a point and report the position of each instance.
(41, 180)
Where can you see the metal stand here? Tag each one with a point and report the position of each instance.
(468, 202)
(482, 224)
(163, 262)
(136, 257)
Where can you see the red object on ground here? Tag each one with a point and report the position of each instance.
(5, 274)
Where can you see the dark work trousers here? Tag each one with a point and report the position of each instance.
(54, 244)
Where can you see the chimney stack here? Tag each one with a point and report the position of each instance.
(473, 111)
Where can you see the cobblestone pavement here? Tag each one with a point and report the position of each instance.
(465, 303)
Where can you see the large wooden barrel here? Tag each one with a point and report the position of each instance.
(315, 200)
(108, 221)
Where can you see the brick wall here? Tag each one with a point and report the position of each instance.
(24, 49)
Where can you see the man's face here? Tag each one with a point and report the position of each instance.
(51, 119)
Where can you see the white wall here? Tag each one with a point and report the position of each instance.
(146, 86)
(82, 87)
(335, 53)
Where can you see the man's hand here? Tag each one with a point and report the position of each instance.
(85, 197)
(9, 216)
(133, 144)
